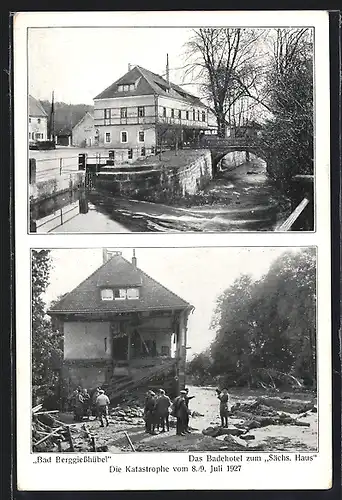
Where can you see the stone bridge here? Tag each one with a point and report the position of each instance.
(219, 147)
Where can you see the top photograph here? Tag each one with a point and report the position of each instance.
(138, 129)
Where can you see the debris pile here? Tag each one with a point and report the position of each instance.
(51, 435)
(132, 414)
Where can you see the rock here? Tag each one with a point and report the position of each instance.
(234, 444)
(212, 431)
(232, 431)
(247, 437)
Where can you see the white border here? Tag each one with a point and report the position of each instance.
(307, 475)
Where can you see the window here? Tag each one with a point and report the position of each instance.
(164, 112)
(203, 116)
(107, 114)
(143, 151)
(165, 350)
(141, 111)
(132, 293)
(198, 115)
(124, 137)
(179, 113)
(130, 154)
(172, 113)
(129, 87)
(141, 136)
(107, 137)
(107, 294)
(29, 120)
(120, 294)
(29, 135)
(187, 115)
(38, 121)
(123, 112)
(193, 115)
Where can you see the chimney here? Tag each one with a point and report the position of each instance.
(167, 69)
(134, 259)
(129, 66)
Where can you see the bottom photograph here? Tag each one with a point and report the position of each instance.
(174, 350)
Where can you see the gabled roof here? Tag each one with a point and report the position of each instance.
(86, 115)
(148, 83)
(36, 108)
(117, 272)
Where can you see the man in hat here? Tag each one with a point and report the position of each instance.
(102, 404)
(181, 412)
(150, 412)
(162, 410)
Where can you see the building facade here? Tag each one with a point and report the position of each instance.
(83, 133)
(142, 109)
(121, 326)
(38, 119)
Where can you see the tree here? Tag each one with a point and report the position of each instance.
(46, 341)
(226, 61)
(265, 329)
(288, 134)
(200, 368)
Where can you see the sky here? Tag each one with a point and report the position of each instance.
(78, 63)
(198, 275)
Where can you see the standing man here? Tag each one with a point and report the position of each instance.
(162, 410)
(150, 412)
(181, 413)
(102, 404)
(187, 399)
(223, 397)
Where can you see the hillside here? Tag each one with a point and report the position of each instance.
(66, 115)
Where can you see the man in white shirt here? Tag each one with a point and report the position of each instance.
(102, 404)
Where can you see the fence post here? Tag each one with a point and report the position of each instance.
(60, 166)
(303, 187)
(81, 161)
(32, 171)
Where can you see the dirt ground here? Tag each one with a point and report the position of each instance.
(205, 407)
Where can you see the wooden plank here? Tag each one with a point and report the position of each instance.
(46, 437)
(286, 226)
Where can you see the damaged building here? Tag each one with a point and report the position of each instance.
(122, 329)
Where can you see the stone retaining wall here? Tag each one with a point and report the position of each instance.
(158, 182)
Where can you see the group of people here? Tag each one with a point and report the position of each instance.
(83, 405)
(158, 408)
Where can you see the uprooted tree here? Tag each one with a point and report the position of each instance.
(46, 341)
(266, 329)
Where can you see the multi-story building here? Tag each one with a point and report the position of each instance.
(143, 110)
(37, 121)
(120, 326)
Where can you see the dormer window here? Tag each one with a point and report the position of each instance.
(107, 294)
(129, 87)
(120, 293)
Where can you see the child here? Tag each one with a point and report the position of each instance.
(223, 397)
